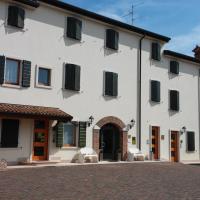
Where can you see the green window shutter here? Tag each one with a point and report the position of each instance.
(16, 16)
(2, 69)
(21, 15)
(77, 78)
(174, 100)
(155, 91)
(112, 39)
(190, 141)
(174, 67)
(72, 77)
(82, 134)
(59, 134)
(115, 85)
(26, 73)
(155, 51)
(74, 28)
(111, 84)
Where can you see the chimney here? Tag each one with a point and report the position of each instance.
(196, 51)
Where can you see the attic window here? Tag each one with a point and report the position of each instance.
(16, 16)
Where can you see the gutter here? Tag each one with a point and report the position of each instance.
(140, 91)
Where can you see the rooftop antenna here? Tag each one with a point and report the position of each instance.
(131, 12)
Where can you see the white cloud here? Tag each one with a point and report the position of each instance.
(185, 43)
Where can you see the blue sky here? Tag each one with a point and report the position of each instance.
(178, 19)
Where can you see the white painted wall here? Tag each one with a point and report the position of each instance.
(44, 44)
(158, 114)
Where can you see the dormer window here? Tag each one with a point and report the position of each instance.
(16, 16)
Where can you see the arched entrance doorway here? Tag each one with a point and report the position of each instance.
(115, 125)
(109, 143)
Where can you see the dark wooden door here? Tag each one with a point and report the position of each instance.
(155, 143)
(174, 146)
(40, 140)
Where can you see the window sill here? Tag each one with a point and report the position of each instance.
(70, 148)
(11, 86)
(10, 148)
(43, 87)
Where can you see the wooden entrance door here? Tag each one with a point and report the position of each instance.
(174, 146)
(155, 143)
(40, 140)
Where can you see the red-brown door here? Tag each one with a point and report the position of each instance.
(155, 143)
(40, 140)
(174, 146)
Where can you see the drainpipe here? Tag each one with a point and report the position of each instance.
(140, 91)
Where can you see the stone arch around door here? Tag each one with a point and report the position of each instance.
(123, 134)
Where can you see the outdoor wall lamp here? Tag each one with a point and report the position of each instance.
(131, 124)
(183, 130)
(90, 121)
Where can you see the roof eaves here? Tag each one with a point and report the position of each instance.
(181, 56)
(104, 19)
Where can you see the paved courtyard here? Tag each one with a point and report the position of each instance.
(112, 181)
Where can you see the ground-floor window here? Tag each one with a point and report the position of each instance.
(9, 133)
(69, 135)
(190, 141)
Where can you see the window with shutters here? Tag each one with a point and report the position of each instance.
(156, 51)
(155, 91)
(112, 39)
(74, 28)
(110, 84)
(15, 72)
(9, 133)
(190, 141)
(72, 77)
(174, 100)
(16, 16)
(174, 67)
(69, 135)
(12, 71)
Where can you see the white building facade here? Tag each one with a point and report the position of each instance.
(70, 78)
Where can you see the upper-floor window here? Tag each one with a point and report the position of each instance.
(74, 28)
(111, 84)
(15, 72)
(16, 16)
(12, 71)
(155, 91)
(156, 51)
(72, 77)
(112, 39)
(174, 67)
(44, 76)
(174, 100)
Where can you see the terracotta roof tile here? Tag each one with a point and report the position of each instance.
(30, 111)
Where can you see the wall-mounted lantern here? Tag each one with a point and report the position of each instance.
(183, 130)
(131, 124)
(90, 121)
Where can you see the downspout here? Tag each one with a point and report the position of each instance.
(140, 91)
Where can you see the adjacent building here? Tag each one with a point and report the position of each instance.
(71, 78)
